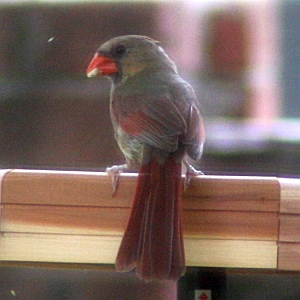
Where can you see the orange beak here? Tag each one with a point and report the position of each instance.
(101, 66)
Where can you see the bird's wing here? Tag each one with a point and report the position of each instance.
(155, 121)
(195, 136)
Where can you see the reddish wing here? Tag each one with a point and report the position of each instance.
(163, 119)
(158, 125)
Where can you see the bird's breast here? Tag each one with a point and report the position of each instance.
(131, 147)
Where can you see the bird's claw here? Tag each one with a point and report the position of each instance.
(190, 172)
(115, 172)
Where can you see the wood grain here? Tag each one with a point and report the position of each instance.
(94, 189)
(290, 195)
(231, 253)
(288, 256)
(103, 249)
(71, 217)
(239, 193)
(289, 228)
(65, 188)
(231, 225)
(112, 221)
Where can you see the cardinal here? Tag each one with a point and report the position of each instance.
(157, 124)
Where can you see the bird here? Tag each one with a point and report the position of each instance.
(158, 126)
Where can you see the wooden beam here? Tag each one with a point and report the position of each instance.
(71, 217)
(289, 235)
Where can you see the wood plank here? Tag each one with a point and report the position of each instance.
(59, 248)
(233, 193)
(230, 225)
(289, 228)
(112, 221)
(65, 188)
(3, 173)
(94, 189)
(229, 204)
(64, 219)
(71, 217)
(103, 249)
(289, 195)
(288, 256)
(231, 253)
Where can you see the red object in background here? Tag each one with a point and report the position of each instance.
(203, 296)
(228, 43)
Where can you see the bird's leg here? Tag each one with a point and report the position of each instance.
(190, 172)
(115, 172)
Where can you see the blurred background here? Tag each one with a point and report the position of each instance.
(242, 57)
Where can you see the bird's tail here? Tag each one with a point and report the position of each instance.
(153, 242)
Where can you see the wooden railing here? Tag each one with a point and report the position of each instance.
(71, 217)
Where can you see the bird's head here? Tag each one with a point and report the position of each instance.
(127, 56)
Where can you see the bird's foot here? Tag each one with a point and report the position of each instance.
(190, 172)
(115, 172)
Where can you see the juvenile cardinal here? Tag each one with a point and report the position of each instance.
(157, 123)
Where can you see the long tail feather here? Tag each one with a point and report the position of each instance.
(153, 242)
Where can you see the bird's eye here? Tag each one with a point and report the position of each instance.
(120, 49)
